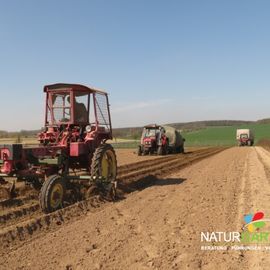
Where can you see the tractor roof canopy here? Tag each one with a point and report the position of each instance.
(152, 126)
(73, 87)
(75, 104)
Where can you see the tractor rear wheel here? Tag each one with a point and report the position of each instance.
(104, 164)
(52, 194)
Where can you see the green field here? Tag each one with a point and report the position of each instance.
(214, 136)
(224, 135)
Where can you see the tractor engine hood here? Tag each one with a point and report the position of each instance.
(149, 140)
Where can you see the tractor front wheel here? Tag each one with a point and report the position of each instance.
(52, 194)
(139, 151)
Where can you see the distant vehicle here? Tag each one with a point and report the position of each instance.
(245, 137)
(160, 140)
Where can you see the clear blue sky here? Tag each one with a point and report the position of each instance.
(161, 61)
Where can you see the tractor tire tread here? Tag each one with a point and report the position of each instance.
(98, 154)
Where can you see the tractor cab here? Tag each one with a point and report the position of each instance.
(152, 133)
(66, 106)
(76, 108)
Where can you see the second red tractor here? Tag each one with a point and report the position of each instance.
(160, 140)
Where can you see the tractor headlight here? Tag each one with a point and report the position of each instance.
(88, 128)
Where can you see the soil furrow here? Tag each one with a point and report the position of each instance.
(17, 230)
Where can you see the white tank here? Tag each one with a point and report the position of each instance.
(175, 138)
(247, 132)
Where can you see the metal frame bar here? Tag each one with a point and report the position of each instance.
(95, 110)
(109, 113)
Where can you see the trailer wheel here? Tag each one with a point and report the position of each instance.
(52, 194)
(182, 149)
(104, 163)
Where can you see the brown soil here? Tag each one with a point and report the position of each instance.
(21, 218)
(128, 156)
(158, 226)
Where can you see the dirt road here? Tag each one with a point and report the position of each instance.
(160, 227)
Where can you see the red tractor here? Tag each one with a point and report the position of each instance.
(72, 158)
(161, 140)
(153, 140)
